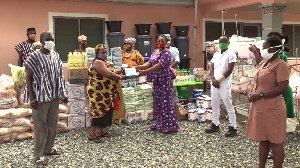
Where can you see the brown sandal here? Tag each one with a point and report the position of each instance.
(54, 152)
(95, 139)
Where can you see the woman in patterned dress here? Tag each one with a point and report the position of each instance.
(159, 72)
(131, 57)
(102, 91)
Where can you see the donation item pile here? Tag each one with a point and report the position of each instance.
(79, 115)
(14, 122)
(138, 103)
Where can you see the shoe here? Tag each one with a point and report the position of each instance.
(231, 132)
(54, 151)
(213, 128)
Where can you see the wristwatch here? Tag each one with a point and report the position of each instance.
(261, 94)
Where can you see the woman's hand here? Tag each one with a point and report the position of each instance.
(252, 48)
(138, 68)
(123, 77)
(253, 97)
(142, 73)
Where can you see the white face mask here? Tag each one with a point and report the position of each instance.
(37, 50)
(266, 55)
(49, 45)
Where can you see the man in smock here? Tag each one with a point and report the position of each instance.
(221, 69)
(44, 68)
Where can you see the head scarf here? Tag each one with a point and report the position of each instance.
(82, 38)
(99, 48)
(131, 41)
(35, 44)
(168, 37)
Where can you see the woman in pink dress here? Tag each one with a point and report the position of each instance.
(267, 117)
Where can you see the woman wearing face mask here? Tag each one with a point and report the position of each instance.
(102, 91)
(267, 117)
(160, 73)
(131, 57)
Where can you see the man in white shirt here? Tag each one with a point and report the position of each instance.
(221, 68)
(174, 64)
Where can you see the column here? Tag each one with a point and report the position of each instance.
(272, 18)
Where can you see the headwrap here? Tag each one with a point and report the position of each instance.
(82, 38)
(131, 41)
(35, 44)
(99, 48)
(168, 37)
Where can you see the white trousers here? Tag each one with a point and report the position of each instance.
(224, 94)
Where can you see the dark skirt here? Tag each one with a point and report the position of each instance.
(104, 121)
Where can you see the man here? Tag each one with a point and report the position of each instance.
(46, 85)
(221, 69)
(25, 48)
(82, 41)
(174, 64)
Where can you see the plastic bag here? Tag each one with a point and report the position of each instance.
(18, 75)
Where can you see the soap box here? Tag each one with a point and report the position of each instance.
(76, 105)
(76, 91)
(76, 121)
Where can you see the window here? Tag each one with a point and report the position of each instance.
(213, 29)
(293, 31)
(67, 29)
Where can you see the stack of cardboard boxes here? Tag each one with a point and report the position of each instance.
(78, 103)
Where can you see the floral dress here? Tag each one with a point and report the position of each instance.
(164, 113)
(102, 92)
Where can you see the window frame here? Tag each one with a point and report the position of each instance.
(53, 15)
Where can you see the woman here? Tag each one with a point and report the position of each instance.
(102, 91)
(160, 73)
(267, 117)
(82, 41)
(131, 57)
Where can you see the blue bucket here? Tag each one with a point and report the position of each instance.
(197, 93)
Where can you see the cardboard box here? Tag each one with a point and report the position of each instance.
(77, 105)
(88, 120)
(76, 121)
(180, 114)
(78, 73)
(76, 91)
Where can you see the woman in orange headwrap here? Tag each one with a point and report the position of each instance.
(131, 57)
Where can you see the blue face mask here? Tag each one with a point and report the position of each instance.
(103, 56)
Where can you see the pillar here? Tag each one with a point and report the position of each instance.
(272, 18)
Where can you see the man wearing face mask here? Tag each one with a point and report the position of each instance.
(46, 86)
(25, 48)
(221, 68)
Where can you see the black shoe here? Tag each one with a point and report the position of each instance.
(213, 128)
(231, 132)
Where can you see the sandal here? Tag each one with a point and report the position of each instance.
(95, 139)
(105, 134)
(41, 161)
(54, 152)
(153, 128)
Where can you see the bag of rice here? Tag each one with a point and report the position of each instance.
(16, 129)
(63, 108)
(4, 131)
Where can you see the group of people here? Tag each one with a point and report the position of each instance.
(271, 97)
(45, 86)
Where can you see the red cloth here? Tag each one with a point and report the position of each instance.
(117, 106)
